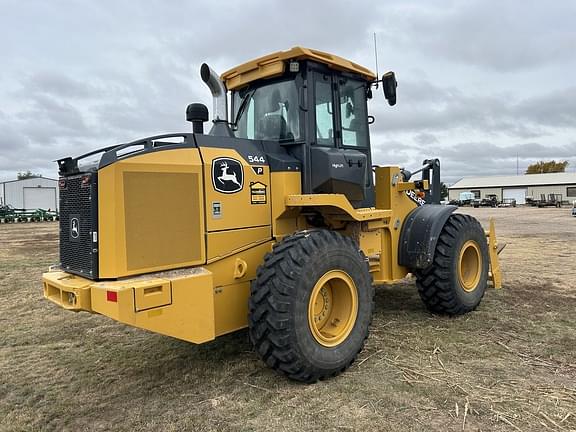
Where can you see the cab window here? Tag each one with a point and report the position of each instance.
(269, 112)
(324, 111)
(353, 115)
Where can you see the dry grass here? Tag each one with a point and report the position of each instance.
(508, 366)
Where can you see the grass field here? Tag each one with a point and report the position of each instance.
(508, 366)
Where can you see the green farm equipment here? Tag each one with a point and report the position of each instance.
(9, 214)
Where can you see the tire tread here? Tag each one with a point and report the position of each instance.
(436, 283)
(271, 294)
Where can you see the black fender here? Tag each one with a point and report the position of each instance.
(420, 233)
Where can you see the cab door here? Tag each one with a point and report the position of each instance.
(353, 124)
(338, 165)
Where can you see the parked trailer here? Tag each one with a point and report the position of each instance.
(507, 202)
(554, 200)
(464, 199)
(490, 201)
(531, 201)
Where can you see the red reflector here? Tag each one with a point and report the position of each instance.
(112, 296)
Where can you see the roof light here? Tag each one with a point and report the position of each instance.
(294, 66)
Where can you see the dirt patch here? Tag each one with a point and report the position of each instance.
(510, 365)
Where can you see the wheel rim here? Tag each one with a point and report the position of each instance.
(333, 308)
(469, 265)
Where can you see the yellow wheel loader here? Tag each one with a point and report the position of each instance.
(275, 220)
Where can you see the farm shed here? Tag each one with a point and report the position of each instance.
(517, 187)
(31, 193)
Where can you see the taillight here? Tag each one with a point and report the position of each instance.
(112, 296)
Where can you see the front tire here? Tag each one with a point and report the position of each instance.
(456, 281)
(311, 305)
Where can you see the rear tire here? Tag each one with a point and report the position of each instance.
(456, 281)
(311, 305)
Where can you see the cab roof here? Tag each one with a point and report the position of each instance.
(273, 65)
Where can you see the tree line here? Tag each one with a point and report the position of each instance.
(542, 167)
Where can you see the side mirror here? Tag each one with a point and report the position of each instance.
(389, 85)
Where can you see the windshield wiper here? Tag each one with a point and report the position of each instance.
(242, 107)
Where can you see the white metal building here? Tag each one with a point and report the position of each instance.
(517, 187)
(30, 193)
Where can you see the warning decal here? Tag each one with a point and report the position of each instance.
(258, 193)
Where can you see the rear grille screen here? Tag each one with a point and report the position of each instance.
(162, 219)
(79, 225)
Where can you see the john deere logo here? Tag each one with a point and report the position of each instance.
(227, 175)
(74, 228)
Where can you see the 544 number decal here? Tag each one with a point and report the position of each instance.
(256, 159)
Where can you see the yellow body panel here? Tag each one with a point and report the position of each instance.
(67, 290)
(189, 316)
(237, 210)
(180, 305)
(225, 270)
(225, 243)
(231, 307)
(153, 216)
(285, 218)
(195, 304)
(377, 230)
(340, 205)
(391, 195)
(273, 65)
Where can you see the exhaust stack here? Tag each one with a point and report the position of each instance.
(213, 81)
(220, 109)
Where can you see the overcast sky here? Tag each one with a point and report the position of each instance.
(482, 84)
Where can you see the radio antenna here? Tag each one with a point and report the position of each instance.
(376, 59)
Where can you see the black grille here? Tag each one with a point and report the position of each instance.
(79, 225)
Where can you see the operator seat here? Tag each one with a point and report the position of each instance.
(355, 127)
(273, 126)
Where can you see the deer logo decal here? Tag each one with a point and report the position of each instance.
(227, 175)
(74, 228)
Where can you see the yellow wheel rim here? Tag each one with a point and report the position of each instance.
(333, 308)
(469, 265)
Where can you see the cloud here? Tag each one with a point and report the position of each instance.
(468, 159)
(501, 36)
(424, 109)
(59, 85)
(425, 138)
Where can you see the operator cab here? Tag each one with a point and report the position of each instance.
(314, 105)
